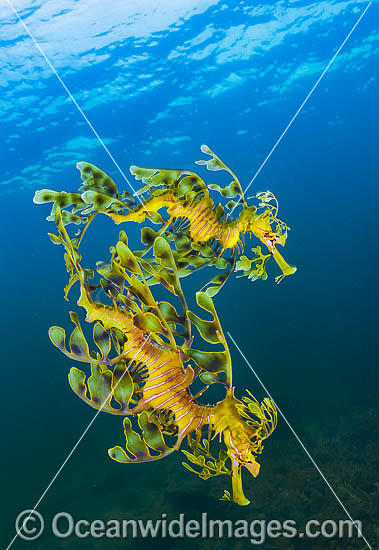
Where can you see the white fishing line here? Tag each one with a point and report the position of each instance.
(64, 463)
(299, 440)
(73, 99)
(130, 185)
(303, 103)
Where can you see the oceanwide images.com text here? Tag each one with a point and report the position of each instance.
(30, 525)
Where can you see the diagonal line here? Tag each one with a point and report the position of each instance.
(302, 105)
(299, 440)
(66, 459)
(72, 98)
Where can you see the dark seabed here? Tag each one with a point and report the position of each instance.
(157, 80)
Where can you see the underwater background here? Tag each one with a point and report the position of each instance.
(157, 80)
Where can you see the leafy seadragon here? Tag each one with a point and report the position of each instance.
(202, 233)
(141, 367)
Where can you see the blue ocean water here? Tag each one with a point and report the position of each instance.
(157, 80)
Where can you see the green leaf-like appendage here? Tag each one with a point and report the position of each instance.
(127, 259)
(98, 194)
(139, 447)
(210, 466)
(152, 433)
(207, 329)
(229, 191)
(265, 413)
(79, 349)
(148, 322)
(102, 386)
(210, 378)
(95, 179)
(148, 236)
(210, 331)
(170, 314)
(215, 163)
(100, 202)
(258, 269)
(243, 264)
(181, 182)
(226, 496)
(213, 286)
(211, 361)
(106, 271)
(59, 198)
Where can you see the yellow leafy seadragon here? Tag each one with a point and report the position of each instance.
(149, 376)
(180, 201)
